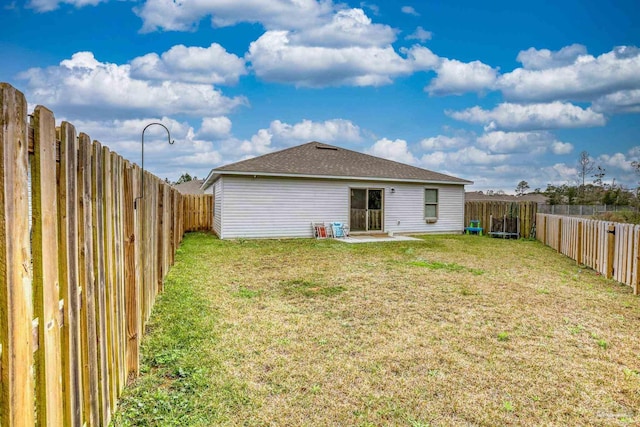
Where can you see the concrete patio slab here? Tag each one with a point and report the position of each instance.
(375, 239)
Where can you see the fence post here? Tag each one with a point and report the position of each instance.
(579, 251)
(559, 234)
(611, 239)
(636, 274)
(16, 313)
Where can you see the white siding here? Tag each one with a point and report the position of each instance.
(404, 209)
(283, 207)
(217, 208)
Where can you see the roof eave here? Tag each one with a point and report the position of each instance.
(209, 180)
(217, 173)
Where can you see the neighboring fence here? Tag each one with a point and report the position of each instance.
(582, 210)
(78, 285)
(484, 210)
(198, 211)
(610, 248)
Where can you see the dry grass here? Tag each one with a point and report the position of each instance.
(451, 330)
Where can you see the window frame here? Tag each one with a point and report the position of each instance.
(431, 219)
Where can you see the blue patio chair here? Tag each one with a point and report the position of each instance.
(338, 230)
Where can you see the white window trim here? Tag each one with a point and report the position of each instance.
(430, 219)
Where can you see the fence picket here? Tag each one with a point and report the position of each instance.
(69, 281)
(88, 307)
(47, 301)
(17, 382)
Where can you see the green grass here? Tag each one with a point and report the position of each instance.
(449, 330)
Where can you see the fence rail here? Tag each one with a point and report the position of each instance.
(610, 248)
(79, 271)
(484, 210)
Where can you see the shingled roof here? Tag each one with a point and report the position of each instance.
(315, 159)
(190, 187)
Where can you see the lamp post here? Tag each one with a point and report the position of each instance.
(141, 196)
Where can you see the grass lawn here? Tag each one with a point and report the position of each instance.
(449, 330)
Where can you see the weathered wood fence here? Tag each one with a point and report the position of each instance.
(198, 211)
(80, 274)
(611, 248)
(484, 210)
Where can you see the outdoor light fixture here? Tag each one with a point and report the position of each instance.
(393, 190)
(141, 196)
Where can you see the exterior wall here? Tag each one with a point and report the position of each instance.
(404, 209)
(265, 207)
(217, 208)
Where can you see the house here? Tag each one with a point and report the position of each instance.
(281, 194)
(190, 187)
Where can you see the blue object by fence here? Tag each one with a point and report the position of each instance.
(474, 227)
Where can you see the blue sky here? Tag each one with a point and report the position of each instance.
(494, 92)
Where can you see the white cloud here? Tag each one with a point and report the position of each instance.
(420, 34)
(586, 78)
(461, 159)
(212, 65)
(307, 130)
(347, 28)
(396, 150)
(272, 14)
(421, 58)
(409, 10)
(534, 59)
(624, 101)
(76, 84)
(374, 8)
(616, 160)
(307, 43)
(455, 77)
(634, 153)
(531, 143)
(561, 148)
(443, 142)
(215, 127)
(49, 5)
(259, 144)
(195, 162)
(559, 173)
(275, 58)
(280, 135)
(507, 116)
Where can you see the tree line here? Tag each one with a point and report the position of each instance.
(589, 188)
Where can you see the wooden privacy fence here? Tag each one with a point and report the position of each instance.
(610, 248)
(484, 210)
(198, 211)
(79, 278)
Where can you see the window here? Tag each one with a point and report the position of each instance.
(430, 203)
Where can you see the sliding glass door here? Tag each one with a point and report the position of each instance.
(366, 209)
